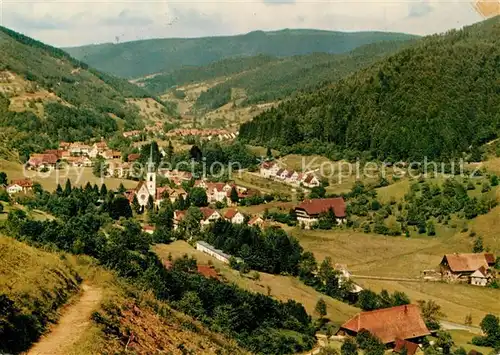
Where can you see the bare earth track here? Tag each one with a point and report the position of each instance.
(72, 324)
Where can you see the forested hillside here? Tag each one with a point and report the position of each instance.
(65, 99)
(439, 98)
(284, 77)
(140, 58)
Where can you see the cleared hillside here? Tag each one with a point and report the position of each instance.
(438, 98)
(141, 58)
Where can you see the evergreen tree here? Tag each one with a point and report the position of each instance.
(269, 153)
(169, 154)
(3, 178)
(136, 206)
(67, 188)
(104, 191)
(121, 188)
(59, 190)
(151, 204)
(478, 245)
(234, 195)
(320, 308)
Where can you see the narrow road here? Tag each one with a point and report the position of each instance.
(456, 326)
(74, 320)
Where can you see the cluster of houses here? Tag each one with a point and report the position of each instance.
(271, 170)
(473, 268)
(210, 215)
(76, 154)
(220, 134)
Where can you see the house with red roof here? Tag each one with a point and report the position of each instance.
(232, 215)
(309, 211)
(17, 186)
(310, 180)
(460, 267)
(256, 221)
(389, 324)
(209, 216)
(38, 161)
(133, 157)
(407, 347)
(268, 169)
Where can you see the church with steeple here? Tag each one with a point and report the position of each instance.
(147, 188)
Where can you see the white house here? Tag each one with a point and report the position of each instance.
(292, 177)
(311, 181)
(19, 186)
(217, 192)
(232, 215)
(209, 216)
(269, 169)
(480, 277)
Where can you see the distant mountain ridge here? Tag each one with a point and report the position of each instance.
(439, 98)
(140, 58)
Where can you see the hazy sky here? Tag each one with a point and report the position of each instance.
(70, 23)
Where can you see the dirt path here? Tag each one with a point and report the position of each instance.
(73, 322)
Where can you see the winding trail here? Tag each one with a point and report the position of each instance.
(75, 319)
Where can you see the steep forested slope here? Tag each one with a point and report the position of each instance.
(140, 58)
(283, 77)
(438, 98)
(65, 99)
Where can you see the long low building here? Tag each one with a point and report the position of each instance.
(309, 211)
(212, 251)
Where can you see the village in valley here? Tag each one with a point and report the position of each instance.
(207, 202)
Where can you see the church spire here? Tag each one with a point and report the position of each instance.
(150, 161)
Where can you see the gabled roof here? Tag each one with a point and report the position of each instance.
(207, 212)
(467, 262)
(280, 171)
(481, 272)
(389, 324)
(317, 206)
(255, 220)
(26, 183)
(309, 178)
(230, 213)
(410, 347)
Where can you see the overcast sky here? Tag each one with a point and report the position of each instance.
(71, 23)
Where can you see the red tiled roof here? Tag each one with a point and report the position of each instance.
(255, 220)
(44, 158)
(410, 347)
(230, 213)
(133, 157)
(179, 215)
(207, 212)
(467, 262)
(23, 183)
(309, 178)
(389, 324)
(490, 258)
(317, 206)
(148, 228)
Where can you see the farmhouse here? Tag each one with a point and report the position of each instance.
(42, 161)
(460, 267)
(309, 211)
(232, 215)
(210, 250)
(20, 186)
(389, 324)
(480, 277)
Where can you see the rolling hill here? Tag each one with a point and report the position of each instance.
(45, 91)
(439, 98)
(140, 58)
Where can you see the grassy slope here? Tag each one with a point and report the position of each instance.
(38, 283)
(282, 287)
(140, 58)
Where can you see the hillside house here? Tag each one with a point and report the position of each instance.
(232, 215)
(79, 161)
(283, 174)
(269, 169)
(480, 277)
(98, 149)
(18, 186)
(39, 161)
(256, 221)
(213, 252)
(132, 134)
(111, 154)
(460, 267)
(389, 324)
(292, 177)
(209, 216)
(309, 211)
(310, 181)
(79, 148)
(405, 347)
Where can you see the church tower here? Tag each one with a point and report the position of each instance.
(151, 175)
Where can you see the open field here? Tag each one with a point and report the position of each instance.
(37, 215)
(49, 181)
(456, 301)
(281, 287)
(149, 110)
(463, 338)
(255, 181)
